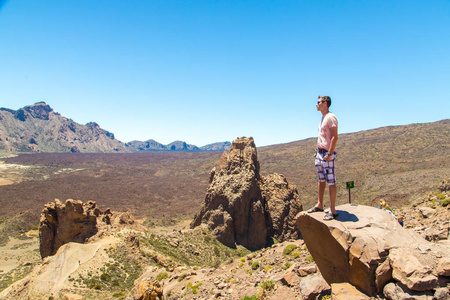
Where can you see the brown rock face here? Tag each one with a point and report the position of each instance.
(366, 247)
(60, 223)
(238, 200)
(149, 290)
(283, 203)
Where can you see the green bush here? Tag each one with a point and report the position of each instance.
(249, 298)
(310, 258)
(288, 249)
(105, 277)
(441, 196)
(161, 276)
(255, 265)
(118, 295)
(287, 265)
(268, 285)
(193, 287)
(445, 202)
(216, 251)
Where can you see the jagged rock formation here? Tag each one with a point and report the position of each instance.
(37, 128)
(367, 247)
(283, 203)
(445, 186)
(243, 207)
(73, 221)
(148, 290)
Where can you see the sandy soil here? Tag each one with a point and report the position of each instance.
(11, 173)
(5, 181)
(18, 252)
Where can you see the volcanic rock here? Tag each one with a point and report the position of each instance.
(346, 291)
(313, 286)
(243, 207)
(149, 290)
(73, 221)
(354, 248)
(283, 203)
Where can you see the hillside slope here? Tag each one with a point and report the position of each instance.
(393, 162)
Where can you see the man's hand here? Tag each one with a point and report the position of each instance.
(327, 157)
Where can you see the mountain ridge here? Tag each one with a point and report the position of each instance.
(152, 145)
(38, 128)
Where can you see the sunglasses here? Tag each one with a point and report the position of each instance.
(318, 102)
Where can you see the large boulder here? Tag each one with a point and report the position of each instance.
(366, 247)
(238, 201)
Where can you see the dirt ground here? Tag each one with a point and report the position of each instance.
(19, 252)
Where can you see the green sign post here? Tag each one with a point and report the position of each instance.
(350, 185)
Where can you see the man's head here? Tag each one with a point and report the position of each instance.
(326, 99)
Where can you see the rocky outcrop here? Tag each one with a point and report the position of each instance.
(445, 186)
(366, 247)
(148, 290)
(283, 203)
(72, 221)
(243, 207)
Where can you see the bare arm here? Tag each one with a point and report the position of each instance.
(334, 138)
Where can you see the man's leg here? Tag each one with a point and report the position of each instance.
(321, 187)
(333, 190)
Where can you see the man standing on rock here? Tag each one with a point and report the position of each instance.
(325, 156)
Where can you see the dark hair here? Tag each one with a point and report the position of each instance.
(325, 98)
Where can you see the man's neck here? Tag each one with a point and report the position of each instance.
(325, 111)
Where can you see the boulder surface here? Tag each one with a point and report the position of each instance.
(366, 247)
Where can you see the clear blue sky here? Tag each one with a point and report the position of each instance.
(210, 71)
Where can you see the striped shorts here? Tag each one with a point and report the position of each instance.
(325, 169)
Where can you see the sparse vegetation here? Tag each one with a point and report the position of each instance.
(213, 252)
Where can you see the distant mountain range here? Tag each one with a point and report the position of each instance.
(37, 128)
(152, 145)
